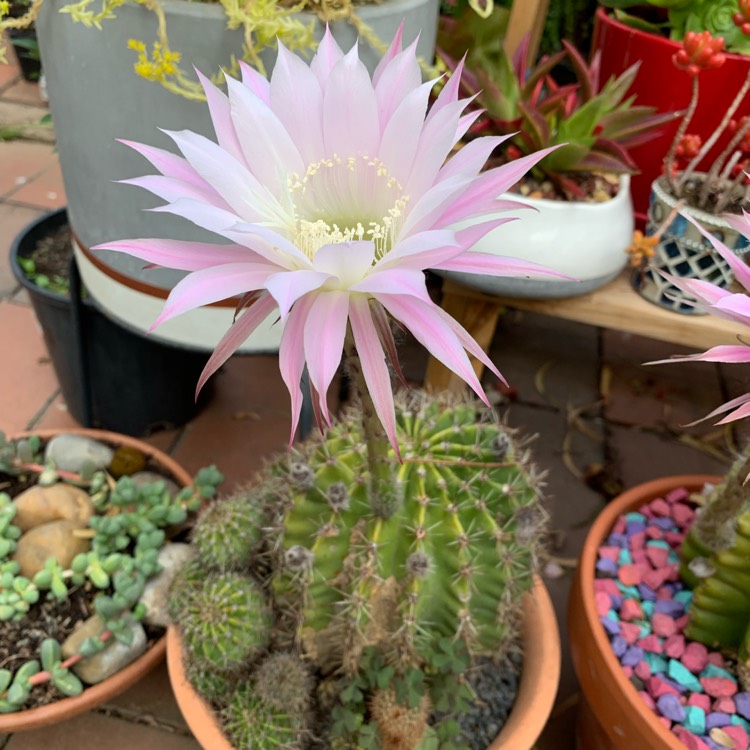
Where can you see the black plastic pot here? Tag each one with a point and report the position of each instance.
(111, 376)
(25, 45)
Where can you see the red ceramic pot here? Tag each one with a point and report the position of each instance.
(659, 84)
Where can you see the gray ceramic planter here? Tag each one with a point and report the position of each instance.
(95, 97)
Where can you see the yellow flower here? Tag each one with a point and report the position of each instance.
(642, 248)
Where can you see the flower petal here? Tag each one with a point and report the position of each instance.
(218, 107)
(374, 367)
(182, 255)
(169, 189)
(347, 261)
(325, 330)
(254, 81)
(394, 48)
(499, 265)
(738, 266)
(472, 157)
(352, 129)
(169, 164)
(213, 284)
(328, 54)
(397, 79)
(429, 328)
(237, 334)
(394, 281)
(722, 353)
(288, 286)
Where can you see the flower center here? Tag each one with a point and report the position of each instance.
(346, 199)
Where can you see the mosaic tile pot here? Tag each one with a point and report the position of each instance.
(683, 251)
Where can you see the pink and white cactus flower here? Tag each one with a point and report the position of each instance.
(724, 304)
(335, 194)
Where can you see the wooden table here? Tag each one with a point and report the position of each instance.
(616, 306)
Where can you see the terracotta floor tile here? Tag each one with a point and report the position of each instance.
(56, 416)
(246, 421)
(22, 161)
(27, 380)
(12, 220)
(669, 395)
(8, 73)
(93, 731)
(25, 92)
(152, 697)
(45, 191)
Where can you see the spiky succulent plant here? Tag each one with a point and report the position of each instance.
(597, 123)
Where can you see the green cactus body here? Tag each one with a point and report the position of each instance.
(253, 725)
(720, 610)
(225, 621)
(228, 533)
(454, 558)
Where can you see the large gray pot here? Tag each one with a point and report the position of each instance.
(95, 97)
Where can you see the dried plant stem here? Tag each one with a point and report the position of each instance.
(669, 161)
(708, 145)
(730, 191)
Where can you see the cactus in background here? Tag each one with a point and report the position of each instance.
(283, 681)
(453, 559)
(401, 727)
(225, 620)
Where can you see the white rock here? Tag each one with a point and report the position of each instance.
(171, 557)
(73, 452)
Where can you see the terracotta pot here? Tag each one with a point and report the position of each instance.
(536, 692)
(67, 708)
(612, 716)
(659, 84)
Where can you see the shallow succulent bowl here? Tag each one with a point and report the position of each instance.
(612, 716)
(94, 695)
(533, 703)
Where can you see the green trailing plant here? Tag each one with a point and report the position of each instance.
(674, 18)
(124, 546)
(398, 591)
(597, 122)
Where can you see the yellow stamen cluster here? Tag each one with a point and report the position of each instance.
(310, 236)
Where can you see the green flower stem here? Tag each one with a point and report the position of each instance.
(384, 500)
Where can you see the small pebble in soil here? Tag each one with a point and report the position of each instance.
(643, 605)
(495, 684)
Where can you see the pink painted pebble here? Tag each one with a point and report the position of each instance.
(673, 538)
(663, 625)
(651, 643)
(647, 699)
(630, 632)
(655, 578)
(607, 585)
(660, 507)
(674, 646)
(719, 687)
(631, 610)
(664, 720)
(603, 603)
(677, 496)
(664, 593)
(657, 687)
(639, 557)
(690, 740)
(701, 700)
(627, 670)
(620, 525)
(653, 532)
(739, 735)
(673, 571)
(716, 659)
(724, 705)
(609, 553)
(682, 514)
(695, 657)
(657, 556)
(637, 540)
(630, 575)
(681, 622)
(642, 670)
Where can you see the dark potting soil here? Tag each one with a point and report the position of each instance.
(52, 255)
(496, 685)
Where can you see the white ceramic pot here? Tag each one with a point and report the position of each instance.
(584, 240)
(96, 98)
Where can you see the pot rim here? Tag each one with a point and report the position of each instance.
(584, 579)
(658, 187)
(93, 695)
(623, 196)
(534, 700)
(609, 18)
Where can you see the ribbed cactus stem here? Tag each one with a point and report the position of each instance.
(714, 527)
(383, 496)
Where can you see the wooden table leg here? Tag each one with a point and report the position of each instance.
(478, 313)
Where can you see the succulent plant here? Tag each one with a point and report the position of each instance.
(597, 123)
(225, 621)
